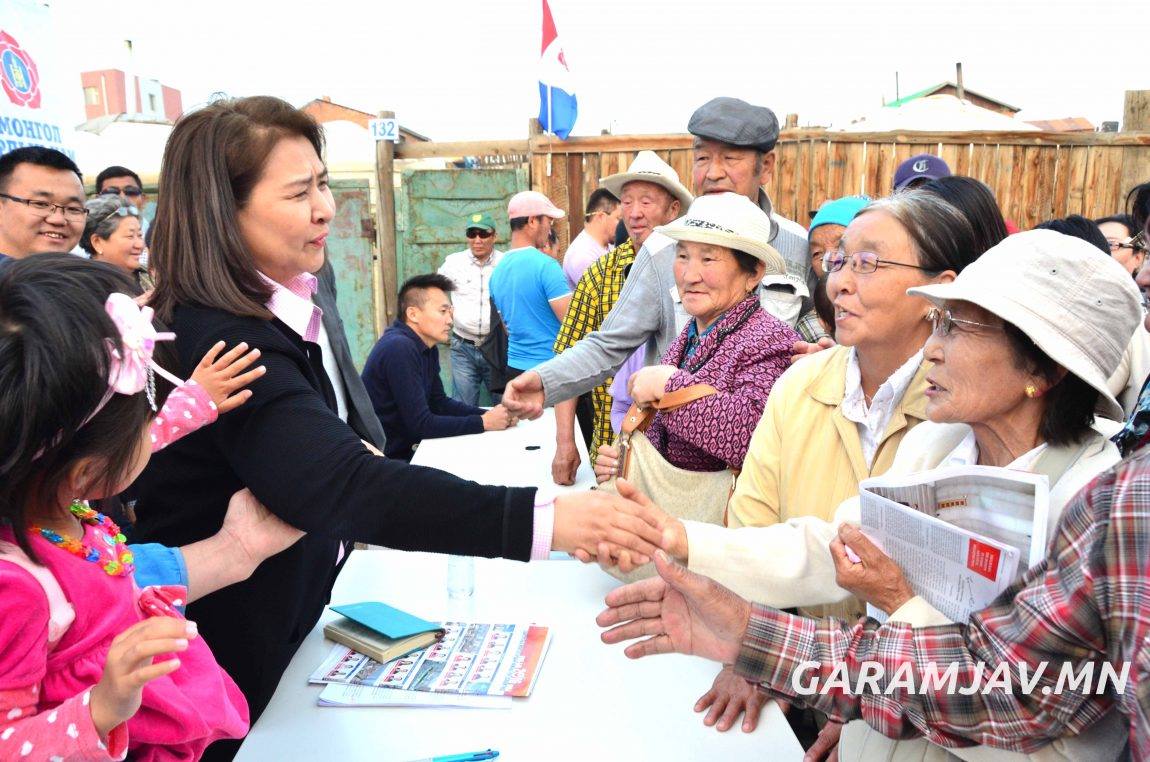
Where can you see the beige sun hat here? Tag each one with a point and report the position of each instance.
(649, 168)
(731, 220)
(1077, 304)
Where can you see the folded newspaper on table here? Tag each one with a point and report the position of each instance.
(478, 664)
(958, 533)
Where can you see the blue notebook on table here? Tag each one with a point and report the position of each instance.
(380, 631)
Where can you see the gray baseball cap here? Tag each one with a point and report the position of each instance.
(735, 122)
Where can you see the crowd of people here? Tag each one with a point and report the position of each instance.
(189, 451)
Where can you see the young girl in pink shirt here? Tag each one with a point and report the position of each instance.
(91, 667)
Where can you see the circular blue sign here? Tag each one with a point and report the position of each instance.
(16, 72)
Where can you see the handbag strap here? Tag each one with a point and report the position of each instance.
(641, 418)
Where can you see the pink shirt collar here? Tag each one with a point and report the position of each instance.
(292, 303)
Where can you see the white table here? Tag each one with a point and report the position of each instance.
(502, 457)
(590, 701)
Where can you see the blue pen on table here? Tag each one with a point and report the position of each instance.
(470, 756)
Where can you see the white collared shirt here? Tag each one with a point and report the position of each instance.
(471, 300)
(293, 305)
(873, 419)
(965, 453)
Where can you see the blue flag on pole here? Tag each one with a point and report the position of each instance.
(558, 106)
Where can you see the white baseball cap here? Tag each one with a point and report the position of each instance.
(1076, 303)
(731, 220)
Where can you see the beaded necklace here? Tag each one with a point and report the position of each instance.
(119, 565)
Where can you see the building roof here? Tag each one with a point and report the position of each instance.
(1068, 124)
(357, 115)
(941, 85)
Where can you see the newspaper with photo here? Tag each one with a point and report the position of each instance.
(960, 534)
(471, 659)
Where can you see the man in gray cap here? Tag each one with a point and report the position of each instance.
(734, 152)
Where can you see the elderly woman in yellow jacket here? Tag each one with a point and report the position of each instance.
(837, 417)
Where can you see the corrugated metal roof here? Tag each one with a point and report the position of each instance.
(935, 88)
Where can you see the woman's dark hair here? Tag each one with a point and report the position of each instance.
(213, 159)
(943, 237)
(977, 202)
(1070, 402)
(747, 263)
(1125, 220)
(1138, 203)
(1079, 227)
(54, 363)
(824, 307)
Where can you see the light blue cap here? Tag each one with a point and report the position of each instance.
(839, 211)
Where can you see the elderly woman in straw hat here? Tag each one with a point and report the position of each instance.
(1023, 342)
(730, 343)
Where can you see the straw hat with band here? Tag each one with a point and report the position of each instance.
(649, 168)
(731, 220)
(1079, 306)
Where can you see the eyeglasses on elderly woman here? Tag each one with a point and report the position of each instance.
(944, 322)
(861, 262)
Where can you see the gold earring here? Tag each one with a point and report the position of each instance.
(1032, 391)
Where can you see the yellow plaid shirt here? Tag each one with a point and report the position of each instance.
(595, 295)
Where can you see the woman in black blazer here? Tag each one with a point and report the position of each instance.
(244, 209)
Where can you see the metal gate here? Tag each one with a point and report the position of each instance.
(350, 248)
(433, 205)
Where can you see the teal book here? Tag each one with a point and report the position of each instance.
(380, 631)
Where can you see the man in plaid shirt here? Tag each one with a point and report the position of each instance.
(650, 195)
(1087, 603)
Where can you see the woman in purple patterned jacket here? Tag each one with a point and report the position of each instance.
(730, 343)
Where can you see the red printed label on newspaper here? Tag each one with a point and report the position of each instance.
(983, 559)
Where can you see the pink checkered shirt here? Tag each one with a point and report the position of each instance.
(291, 302)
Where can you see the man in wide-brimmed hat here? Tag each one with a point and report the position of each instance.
(734, 152)
(651, 195)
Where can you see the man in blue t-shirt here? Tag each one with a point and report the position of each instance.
(527, 286)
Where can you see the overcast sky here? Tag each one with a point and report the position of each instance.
(458, 70)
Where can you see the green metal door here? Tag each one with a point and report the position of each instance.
(429, 219)
(350, 249)
(432, 208)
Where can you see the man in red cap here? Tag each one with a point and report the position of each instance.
(528, 287)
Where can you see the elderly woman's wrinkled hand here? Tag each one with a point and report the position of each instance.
(677, 612)
(607, 465)
(874, 578)
(729, 697)
(648, 385)
(801, 349)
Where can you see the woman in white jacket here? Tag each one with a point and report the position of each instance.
(1024, 341)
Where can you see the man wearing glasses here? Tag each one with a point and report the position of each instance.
(41, 202)
(470, 271)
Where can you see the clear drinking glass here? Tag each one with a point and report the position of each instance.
(460, 576)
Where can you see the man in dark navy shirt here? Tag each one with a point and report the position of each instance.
(402, 374)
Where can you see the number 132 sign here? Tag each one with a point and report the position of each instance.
(384, 129)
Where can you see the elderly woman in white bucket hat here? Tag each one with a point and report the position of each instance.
(1024, 339)
(1024, 342)
(730, 343)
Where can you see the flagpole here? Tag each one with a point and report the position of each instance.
(550, 129)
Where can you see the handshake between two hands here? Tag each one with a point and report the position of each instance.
(616, 530)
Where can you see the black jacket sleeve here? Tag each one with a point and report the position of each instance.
(311, 469)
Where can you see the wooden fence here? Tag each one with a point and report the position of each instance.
(1034, 176)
